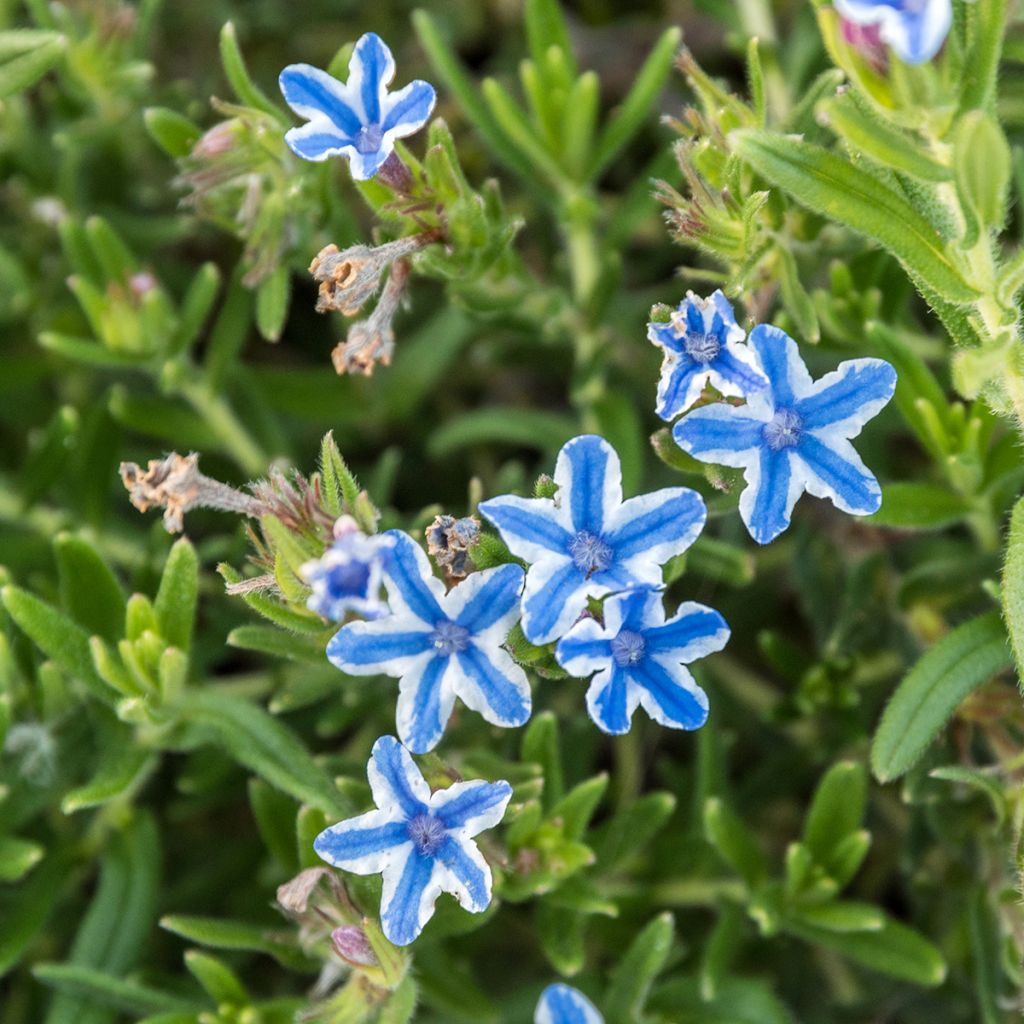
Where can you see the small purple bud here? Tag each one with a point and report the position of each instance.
(351, 944)
(867, 41)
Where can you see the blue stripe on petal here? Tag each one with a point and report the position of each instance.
(500, 592)
(309, 91)
(683, 631)
(408, 109)
(665, 699)
(769, 506)
(608, 701)
(850, 486)
(315, 144)
(664, 517)
(679, 387)
(473, 879)
(745, 380)
(580, 656)
(776, 351)
(724, 308)
(504, 703)
(561, 1004)
(530, 520)
(345, 847)
(403, 916)
(590, 480)
(407, 572)
(394, 778)
(665, 336)
(717, 428)
(423, 710)
(359, 646)
(478, 805)
(856, 389)
(372, 61)
(545, 609)
(364, 166)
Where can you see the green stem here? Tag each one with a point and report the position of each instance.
(221, 419)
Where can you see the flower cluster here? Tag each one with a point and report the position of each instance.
(793, 433)
(915, 29)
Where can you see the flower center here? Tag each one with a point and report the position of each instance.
(702, 347)
(348, 578)
(369, 138)
(628, 648)
(427, 834)
(590, 553)
(783, 430)
(449, 638)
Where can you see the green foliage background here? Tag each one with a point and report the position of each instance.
(801, 858)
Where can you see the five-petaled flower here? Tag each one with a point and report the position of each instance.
(348, 576)
(421, 843)
(562, 1004)
(358, 119)
(795, 435)
(915, 29)
(441, 646)
(638, 659)
(587, 541)
(702, 342)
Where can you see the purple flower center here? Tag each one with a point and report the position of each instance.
(449, 638)
(427, 834)
(702, 347)
(369, 138)
(628, 648)
(590, 553)
(783, 430)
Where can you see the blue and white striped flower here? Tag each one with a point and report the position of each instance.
(702, 342)
(562, 1004)
(587, 541)
(349, 574)
(915, 29)
(441, 646)
(795, 435)
(358, 119)
(638, 660)
(421, 843)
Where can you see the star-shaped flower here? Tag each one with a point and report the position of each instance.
(419, 842)
(441, 646)
(638, 660)
(348, 576)
(587, 541)
(358, 119)
(915, 29)
(795, 435)
(702, 342)
(562, 1004)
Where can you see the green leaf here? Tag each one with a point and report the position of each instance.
(978, 781)
(843, 916)
(340, 487)
(913, 506)
(247, 91)
(530, 428)
(836, 810)
(894, 949)
(174, 133)
(271, 640)
(60, 639)
(224, 934)
(218, 980)
(24, 70)
(987, 26)
(933, 689)
(28, 910)
(546, 27)
(195, 306)
(734, 841)
(90, 593)
(272, 297)
(836, 189)
(265, 746)
(1013, 586)
(89, 986)
(275, 813)
(541, 745)
(982, 165)
(577, 807)
(124, 768)
(633, 977)
(561, 934)
(633, 827)
(175, 604)
(736, 1001)
(18, 857)
(636, 107)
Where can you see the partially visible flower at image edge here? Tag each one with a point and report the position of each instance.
(358, 119)
(349, 575)
(702, 342)
(562, 1004)
(638, 659)
(421, 843)
(794, 436)
(587, 541)
(915, 29)
(440, 645)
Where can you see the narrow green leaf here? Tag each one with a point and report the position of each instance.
(29, 908)
(218, 980)
(541, 745)
(174, 133)
(225, 934)
(933, 689)
(94, 986)
(1013, 586)
(247, 91)
(978, 781)
(27, 68)
(561, 934)
(90, 593)
(843, 916)
(176, 599)
(913, 506)
(577, 807)
(546, 27)
(18, 857)
(123, 769)
(272, 297)
(987, 27)
(340, 487)
(836, 810)
(636, 971)
(533, 428)
(633, 827)
(835, 188)
(734, 841)
(195, 306)
(271, 640)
